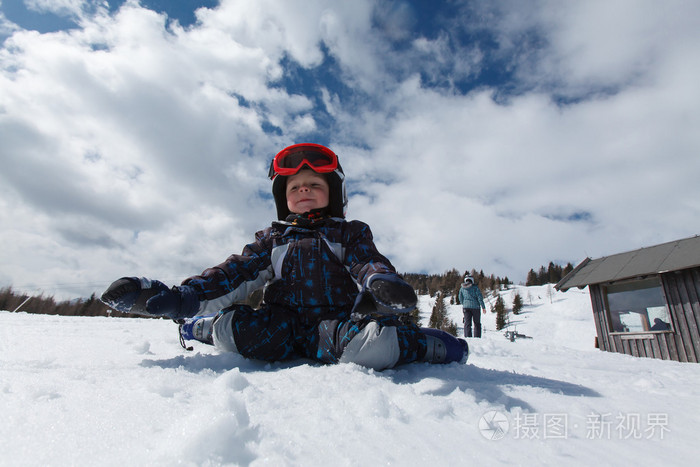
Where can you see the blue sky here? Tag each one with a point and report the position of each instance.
(45, 17)
(491, 135)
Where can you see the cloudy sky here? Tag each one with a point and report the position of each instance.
(135, 137)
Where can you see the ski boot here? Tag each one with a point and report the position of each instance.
(199, 328)
(444, 347)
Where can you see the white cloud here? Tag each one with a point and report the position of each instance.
(134, 146)
(511, 175)
(60, 7)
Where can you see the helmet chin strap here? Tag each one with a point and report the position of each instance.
(310, 218)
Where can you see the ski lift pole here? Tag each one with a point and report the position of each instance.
(21, 305)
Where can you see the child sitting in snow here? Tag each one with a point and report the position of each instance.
(310, 264)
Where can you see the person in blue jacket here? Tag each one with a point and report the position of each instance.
(471, 299)
(328, 294)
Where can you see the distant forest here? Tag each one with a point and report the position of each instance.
(446, 284)
(11, 300)
(549, 275)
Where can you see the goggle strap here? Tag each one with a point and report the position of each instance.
(271, 173)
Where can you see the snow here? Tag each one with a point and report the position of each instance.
(115, 391)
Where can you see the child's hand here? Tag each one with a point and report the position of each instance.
(386, 293)
(392, 292)
(130, 294)
(150, 298)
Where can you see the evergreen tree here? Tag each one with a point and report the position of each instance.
(554, 273)
(517, 303)
(439, 313)
(450, 327)
(439, 318)
(531, 278)
(567, 269)
(85, 306)
(501, 313)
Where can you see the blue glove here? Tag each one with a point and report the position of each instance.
(385, 294)
(147, 297)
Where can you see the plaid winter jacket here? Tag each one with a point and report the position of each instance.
(470, 297)
(314, 271)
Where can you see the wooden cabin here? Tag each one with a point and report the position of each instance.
(645, 302)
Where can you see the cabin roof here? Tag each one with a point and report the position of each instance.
(671, 256)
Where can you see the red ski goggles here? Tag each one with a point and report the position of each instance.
(291, 159)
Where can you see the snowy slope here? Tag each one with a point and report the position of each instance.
(112, 391)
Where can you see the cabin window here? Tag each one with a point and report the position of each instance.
(638, 306)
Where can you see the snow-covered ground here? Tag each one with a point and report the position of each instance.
(113, 391)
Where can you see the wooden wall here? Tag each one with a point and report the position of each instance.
(682, 292)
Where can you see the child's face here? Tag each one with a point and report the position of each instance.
(306, 190)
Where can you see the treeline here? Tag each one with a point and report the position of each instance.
(549, 275)
(448, 283)
(40, 304)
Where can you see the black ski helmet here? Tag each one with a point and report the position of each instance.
(337, 196)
